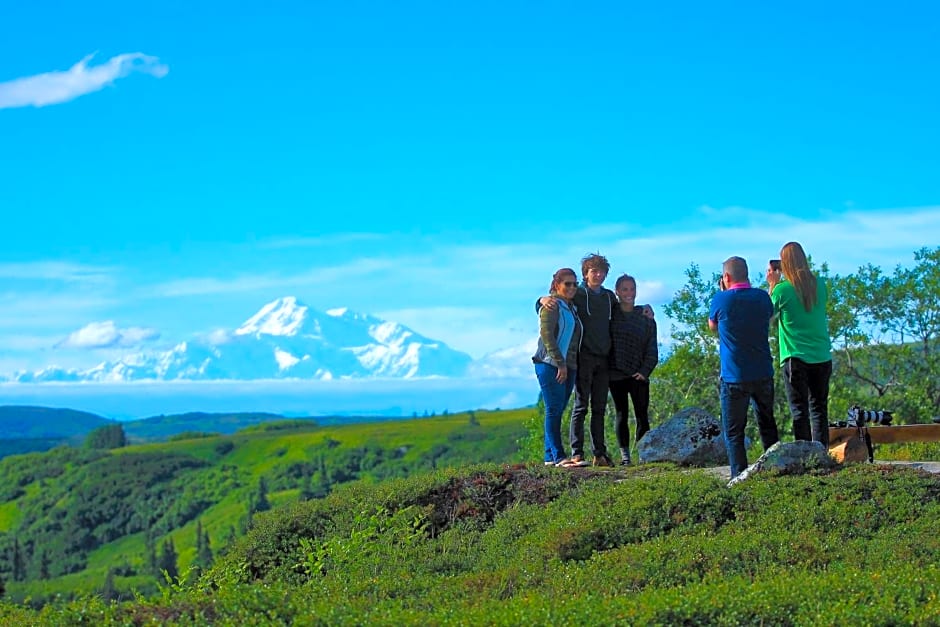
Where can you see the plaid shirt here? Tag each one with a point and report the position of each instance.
(634, 344)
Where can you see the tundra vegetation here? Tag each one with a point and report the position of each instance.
(453, 519)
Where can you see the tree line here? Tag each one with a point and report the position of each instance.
(884, 328)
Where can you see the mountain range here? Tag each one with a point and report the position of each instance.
(286, 339)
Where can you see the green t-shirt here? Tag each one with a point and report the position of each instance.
(803, 334)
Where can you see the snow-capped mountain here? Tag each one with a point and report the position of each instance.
(286, 339)
(515, 361)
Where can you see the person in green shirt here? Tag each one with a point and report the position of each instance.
(799, 298)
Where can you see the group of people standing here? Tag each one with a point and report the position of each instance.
(594, 341)
(742, 314)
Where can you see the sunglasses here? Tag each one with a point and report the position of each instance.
(570, 283)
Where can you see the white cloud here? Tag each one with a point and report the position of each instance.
(217, 337)
(477, 296)
(205, 286)
(56, 271)
(106, 334)
(325, 240)
(80, 79)
(45, 309)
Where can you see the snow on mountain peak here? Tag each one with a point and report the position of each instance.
(283, 316)
(285, 339)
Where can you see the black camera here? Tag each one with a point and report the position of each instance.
(859, 417)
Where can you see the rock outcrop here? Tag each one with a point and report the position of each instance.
(690, 438)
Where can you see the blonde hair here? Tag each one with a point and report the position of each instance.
(796, 269)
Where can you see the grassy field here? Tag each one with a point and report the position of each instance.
(509, 542)
(232, 468)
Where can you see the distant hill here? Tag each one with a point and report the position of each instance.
(25, 421)
(20, 446)
(25, 429)
(162, 427)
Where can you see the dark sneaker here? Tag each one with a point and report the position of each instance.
(625, 461)
(603, 461)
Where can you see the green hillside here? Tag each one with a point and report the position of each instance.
(69, 515)
(441, 521)
(165, 426)
(516, 545)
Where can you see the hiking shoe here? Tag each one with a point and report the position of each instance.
(576, 461)
(625, 461)
(603, 461)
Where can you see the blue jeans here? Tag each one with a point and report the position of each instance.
(555, 395)
(807, 388)
(735, 398)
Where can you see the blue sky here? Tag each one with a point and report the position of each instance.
(433, 163)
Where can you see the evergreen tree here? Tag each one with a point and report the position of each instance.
(107, 437)
(230, 537)
(323, 485)
(19, 562)
(108, 590)
(167, 561)
(203, 550)
(150, 556)
(306, 487)
(260, 502)
(245, 523)
(44, 563)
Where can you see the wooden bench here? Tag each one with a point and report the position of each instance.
(848, 443)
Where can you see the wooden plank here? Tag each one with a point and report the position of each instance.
(904, 433)
(887, 435)
(850, 450)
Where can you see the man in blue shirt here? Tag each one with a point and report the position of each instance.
(741, 314)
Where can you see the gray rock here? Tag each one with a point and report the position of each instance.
(690, 438)
(789, 458)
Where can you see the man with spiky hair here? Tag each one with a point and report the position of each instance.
(741, 316)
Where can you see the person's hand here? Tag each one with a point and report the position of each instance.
(562, 375)
(548, 302)
(648, 312)
(638, 376)
(773, 277)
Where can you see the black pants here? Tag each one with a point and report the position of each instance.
(807, 388)
(590, 391)
(639, 391)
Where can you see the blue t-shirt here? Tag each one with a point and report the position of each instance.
(743, 317)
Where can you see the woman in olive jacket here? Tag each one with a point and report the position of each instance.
(556, 360)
